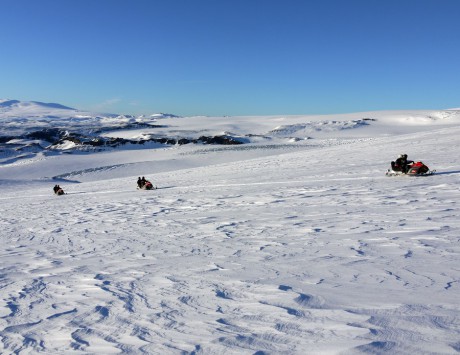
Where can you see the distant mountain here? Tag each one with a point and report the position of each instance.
(53, 105)
(16, 104)
(9, 103)
(33, 109)
(163, 115)
(31, 127)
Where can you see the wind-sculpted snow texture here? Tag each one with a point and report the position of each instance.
(306, 249)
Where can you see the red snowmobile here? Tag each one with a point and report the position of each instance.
(144, 184)
(416, 168)
(147, 185)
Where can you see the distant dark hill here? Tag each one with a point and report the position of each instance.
(52, 105)
(9, 103)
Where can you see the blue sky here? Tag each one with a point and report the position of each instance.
(232, 57)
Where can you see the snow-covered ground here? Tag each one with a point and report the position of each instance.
(295, 243)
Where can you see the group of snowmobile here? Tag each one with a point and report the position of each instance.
(401, 166)
(142, 184)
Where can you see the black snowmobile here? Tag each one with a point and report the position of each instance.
(58, 190)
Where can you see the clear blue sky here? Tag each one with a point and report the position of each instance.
(232, 57)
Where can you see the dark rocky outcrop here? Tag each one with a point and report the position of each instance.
(223, 140)
(48, 134)
(4, 139)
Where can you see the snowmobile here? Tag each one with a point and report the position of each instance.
(416, 168)
(58, 190)
(147, 186)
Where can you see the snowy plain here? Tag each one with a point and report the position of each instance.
(293, 243)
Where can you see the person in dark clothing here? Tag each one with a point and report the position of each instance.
(401, 164)
(139, 182)
(143, 181)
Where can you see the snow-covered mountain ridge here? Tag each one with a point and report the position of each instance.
(50, 128)
(16, 105)
(20, 117)
(36, 127)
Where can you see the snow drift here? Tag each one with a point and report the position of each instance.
(292, 243)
